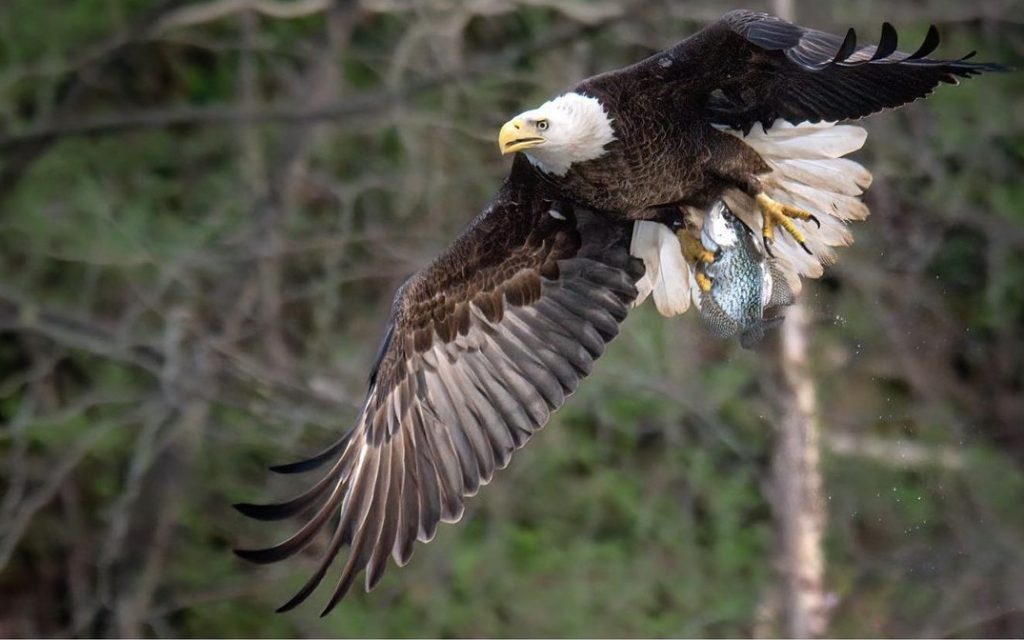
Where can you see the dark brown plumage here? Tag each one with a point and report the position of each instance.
(492, 336)
(482, 345)
(747, 68)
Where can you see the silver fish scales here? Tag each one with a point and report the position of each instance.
(745, 284)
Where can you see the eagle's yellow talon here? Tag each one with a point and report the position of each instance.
(703, 281)
(776, 213)
(693, 250)
(695, 254)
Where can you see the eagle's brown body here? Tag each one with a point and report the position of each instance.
(747, 68)
(656, 162)
(666, 151)
(491, 337)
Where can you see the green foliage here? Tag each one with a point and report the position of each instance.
(639, 510)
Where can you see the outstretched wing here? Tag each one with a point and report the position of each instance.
(781, 87)
(482, 345)
(757, 68)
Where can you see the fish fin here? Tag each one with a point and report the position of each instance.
(716, 320)
(782, 293)
(755, 334)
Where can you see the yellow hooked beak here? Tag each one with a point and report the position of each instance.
(517, 135)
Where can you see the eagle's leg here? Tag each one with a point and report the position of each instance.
(675, 218)
(694, 253)
(778, 214)
(736, 164)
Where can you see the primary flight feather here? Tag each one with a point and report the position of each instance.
(606, 195)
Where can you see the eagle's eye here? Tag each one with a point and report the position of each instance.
(542, 125)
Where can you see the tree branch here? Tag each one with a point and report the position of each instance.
(370, 103)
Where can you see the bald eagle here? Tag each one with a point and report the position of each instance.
(609, 183)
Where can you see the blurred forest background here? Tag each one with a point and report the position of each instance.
(206, 206)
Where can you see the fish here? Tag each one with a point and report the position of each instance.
(747, 287)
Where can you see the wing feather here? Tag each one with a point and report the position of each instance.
(481, 347)
(409, 509)
(782, 70)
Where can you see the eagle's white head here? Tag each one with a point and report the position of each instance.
(569, 129)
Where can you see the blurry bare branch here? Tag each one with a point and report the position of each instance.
(319, 87)
(18, 313)
(243, 381)
(364, 104)
(209, 11)
(133, 607)
(579, 10)
(75, 90)
(12, 530)
(902, 454)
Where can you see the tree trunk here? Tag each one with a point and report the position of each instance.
(796, 484)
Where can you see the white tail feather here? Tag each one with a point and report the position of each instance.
(667, 276)
(644, 245)
(818, 201)
(809, 172)
(838, 175)
(816, 141)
